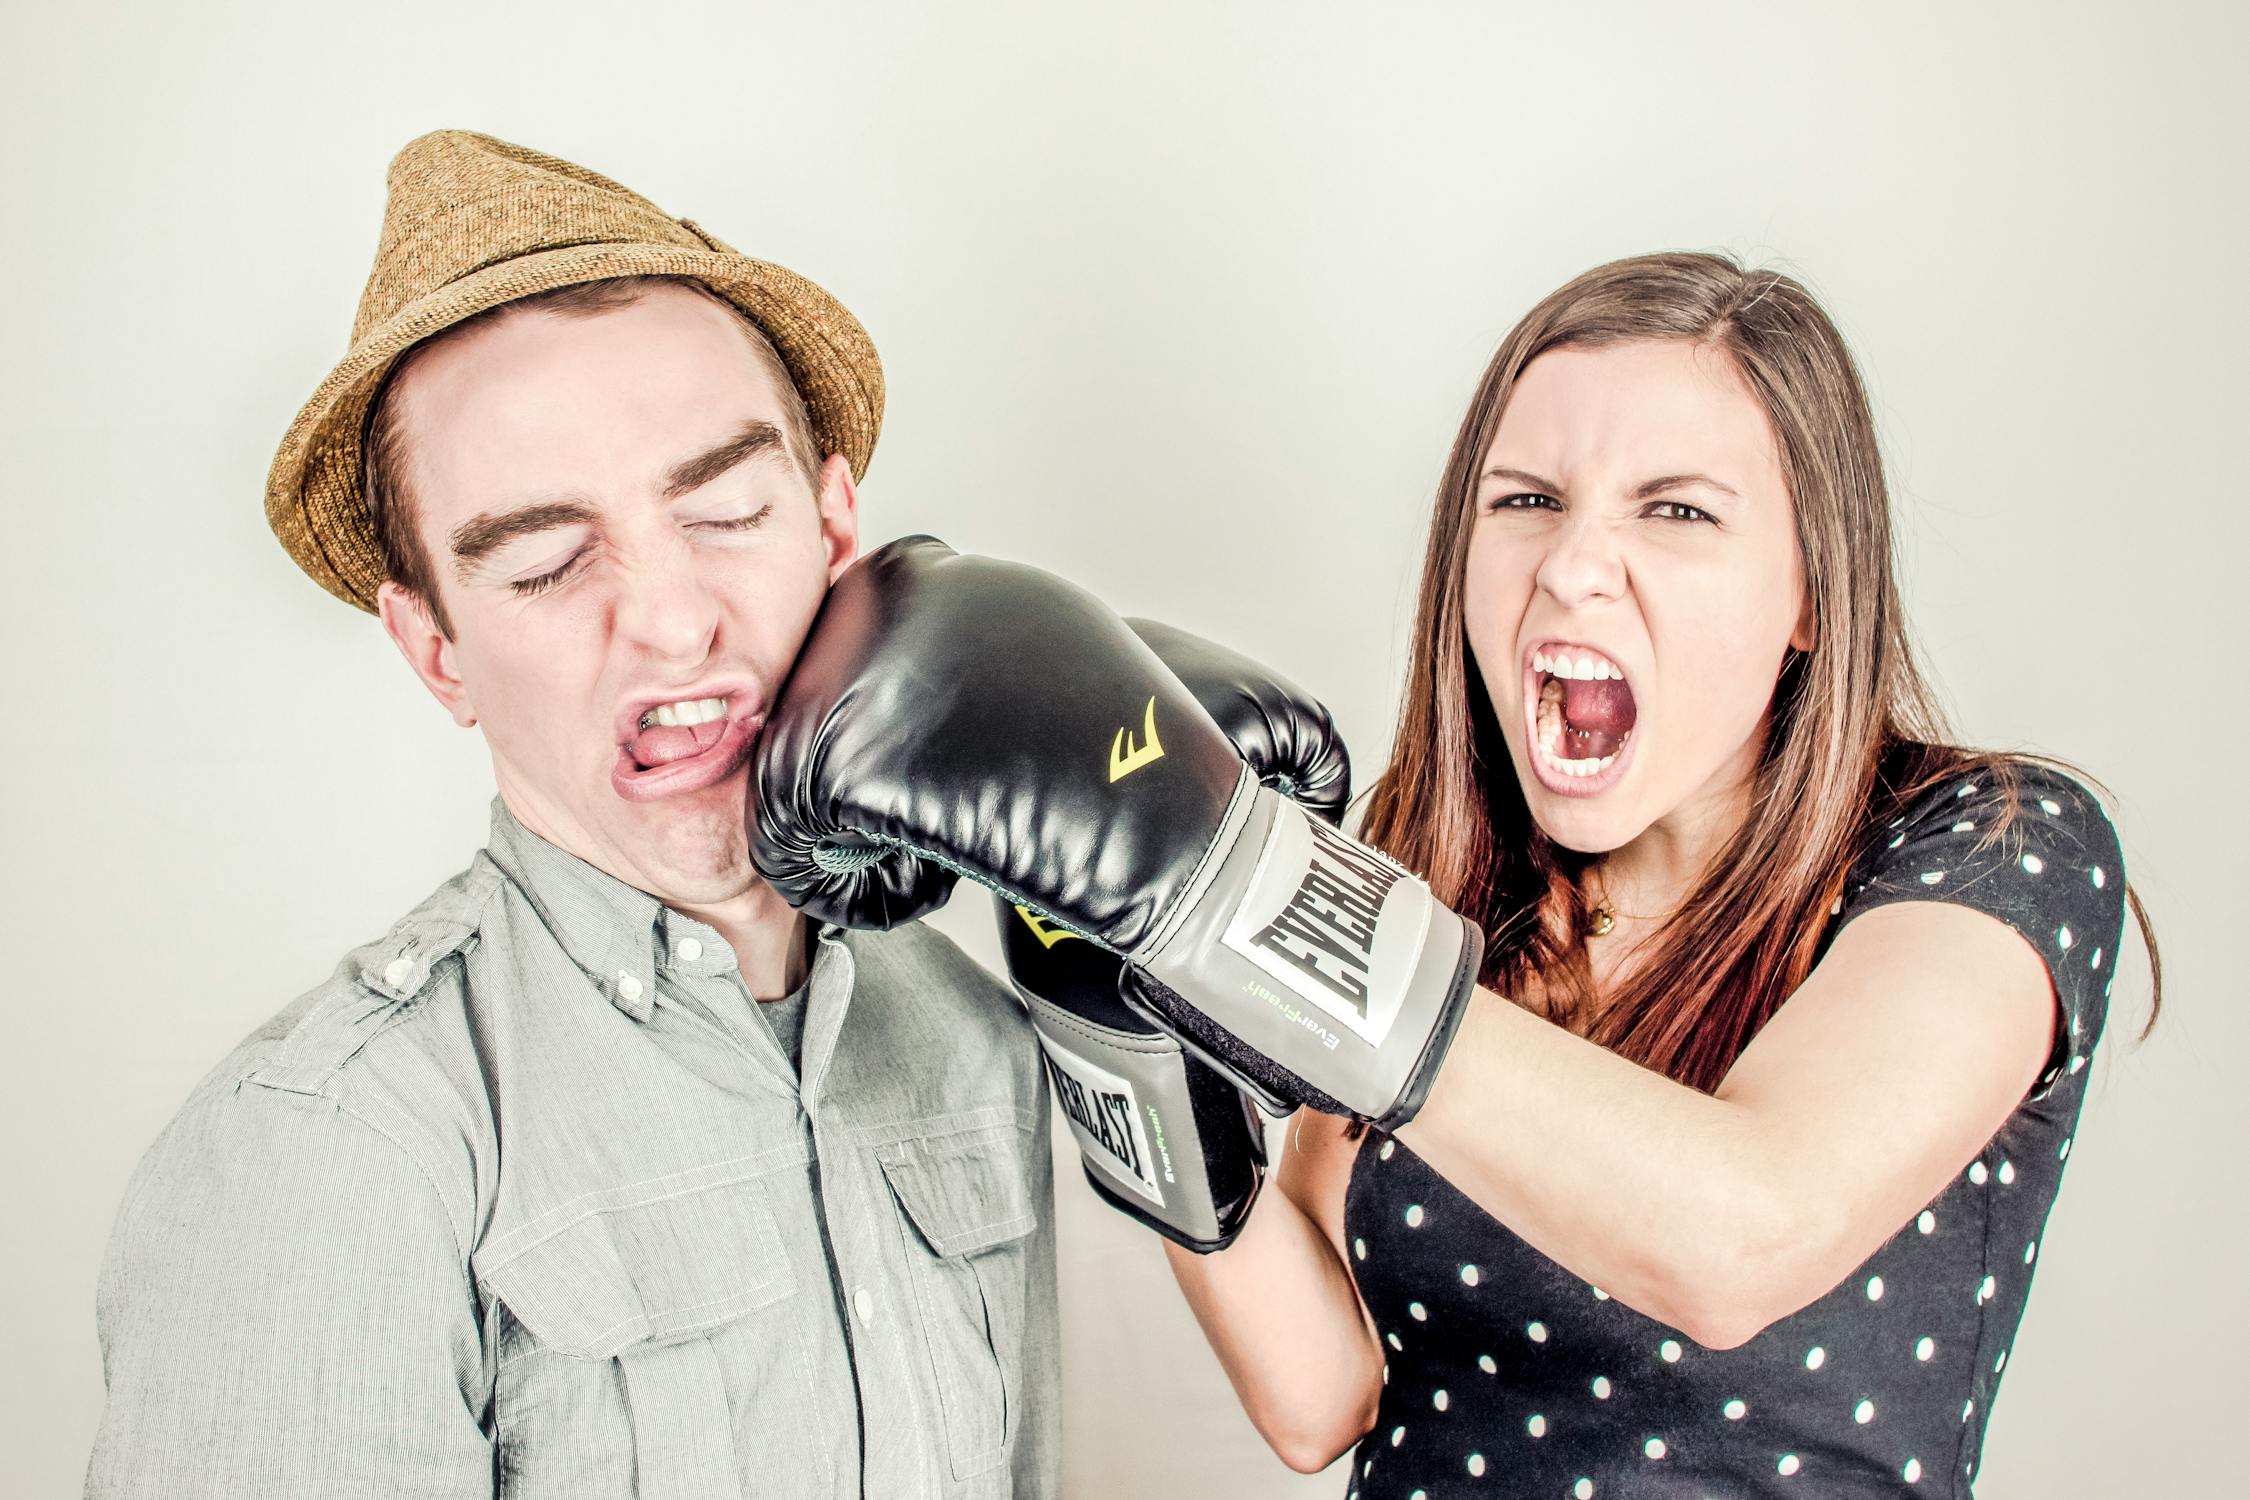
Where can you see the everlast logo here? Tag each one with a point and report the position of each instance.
(1104, 1116)
(1328, 927)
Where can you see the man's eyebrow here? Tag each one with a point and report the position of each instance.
(476, 539)
(756, 437)
(1673, 481)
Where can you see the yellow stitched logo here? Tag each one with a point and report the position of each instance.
(1125, 757)
(1048, 936)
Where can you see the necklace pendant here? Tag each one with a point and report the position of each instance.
(1605, 918)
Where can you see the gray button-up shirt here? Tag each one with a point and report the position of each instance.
(526, 1199)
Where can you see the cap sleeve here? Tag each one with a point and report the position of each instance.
(2049, 867)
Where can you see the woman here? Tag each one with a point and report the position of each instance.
(1733, 1180)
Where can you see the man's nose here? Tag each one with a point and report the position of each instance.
(1583, 564)
(665, 606)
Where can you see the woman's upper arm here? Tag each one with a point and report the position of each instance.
(1316, 1171)
(1901, 1055)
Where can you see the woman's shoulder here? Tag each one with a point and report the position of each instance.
(1992, 810)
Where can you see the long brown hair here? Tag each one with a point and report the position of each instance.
(1854, 732)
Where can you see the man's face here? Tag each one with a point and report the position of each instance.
(615, 524)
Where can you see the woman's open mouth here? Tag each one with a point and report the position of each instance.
(1581, 714)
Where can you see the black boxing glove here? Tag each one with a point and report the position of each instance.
(1162, 1136)
(994, 720)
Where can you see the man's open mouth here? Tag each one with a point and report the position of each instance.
(1582, 711)
(684, 746)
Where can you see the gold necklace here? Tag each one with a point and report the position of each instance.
(1605, 914)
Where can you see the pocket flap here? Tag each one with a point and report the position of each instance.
(965, 1190)
(650, 1272)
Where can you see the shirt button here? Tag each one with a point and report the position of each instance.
(863, 1303)
(689, 949)
(397, 972)
(628, 986)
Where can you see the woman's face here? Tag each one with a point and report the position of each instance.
(1633, 583)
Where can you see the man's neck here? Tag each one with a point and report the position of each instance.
(772, 943)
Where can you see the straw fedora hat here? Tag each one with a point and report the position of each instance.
(472, 222)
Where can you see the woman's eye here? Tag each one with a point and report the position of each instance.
(1675, 510)
(1523, 502)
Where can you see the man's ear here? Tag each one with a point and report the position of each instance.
(406, 619)
(839, 514)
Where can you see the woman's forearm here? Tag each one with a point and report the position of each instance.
(1285, 1319)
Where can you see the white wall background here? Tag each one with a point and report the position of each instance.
(1184, 301)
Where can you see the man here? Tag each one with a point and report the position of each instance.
(602, 1172)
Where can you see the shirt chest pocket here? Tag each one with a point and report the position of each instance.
(965, 1213)
(655, 1349)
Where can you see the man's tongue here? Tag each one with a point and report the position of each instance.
(1597, 715)
(663, 744)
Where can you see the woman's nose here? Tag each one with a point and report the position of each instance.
(1582, 564)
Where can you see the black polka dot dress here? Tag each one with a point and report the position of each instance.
(1508, 1375)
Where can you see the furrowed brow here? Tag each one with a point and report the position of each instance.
(1674, 481)
(476, 539)
(1525, 478)
(755, 438)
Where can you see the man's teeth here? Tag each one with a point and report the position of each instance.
(1582, 668)
(681, 715)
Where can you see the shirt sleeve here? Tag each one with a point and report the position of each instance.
(284, 1310)
(2049, 867)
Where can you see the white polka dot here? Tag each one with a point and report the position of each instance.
(1419, 1495)
(1488, 1364)
(1932, 877)
(2001, 1363)
(1815, 1357)
(1874, 1288)
(2097, 963)
(2062, 936)
(1924, 1221)
(1536, 1332)
(2007, 1172)
(1837, 906)
(2064, 1154)
(1736, 1409)
(1367, 1468)
(1654, 1447)
(1392, 1340)
(1440, 1400)
(1864, 1413)
(1359, 1247)
(2050, 807)
(1599, 1294)
(1669, 1351)
(1965, 788)
(1385, 1153)
(2098, 877)
(1583, 1489)
(1601, 1387)
(2030, 1249)
(1537, 1426)
(1924, 1347)
(1788, 1464)
(1969, 1407)
(1398, 1436)
(1898, 841)
(1386, 1372)
(2033, 864)
(1476, 1464)
(1976, 1173)
(1912, 1473)
(1414, 1216)
(1470, 1275)
(1417, 1312)
(2077, 1063)
(1966, 825)
(1986, 1289)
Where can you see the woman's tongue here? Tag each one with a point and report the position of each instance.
(662, 744)
(1597, 715)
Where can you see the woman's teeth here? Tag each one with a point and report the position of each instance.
(684, 715)
(1577, 668)
(1552, 732)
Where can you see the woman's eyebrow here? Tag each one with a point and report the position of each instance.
(1525, 478)
(1650, 487)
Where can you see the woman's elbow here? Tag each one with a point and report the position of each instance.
(1310, 1441)
(1768, 1263)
